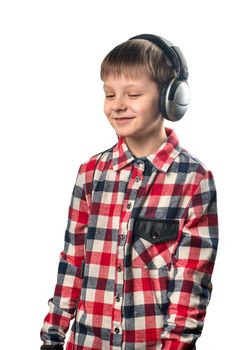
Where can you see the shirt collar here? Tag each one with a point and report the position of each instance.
(161, 159)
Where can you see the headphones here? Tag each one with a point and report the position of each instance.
(174, 96)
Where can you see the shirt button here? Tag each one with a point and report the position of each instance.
(138, 178)
(119, 268)
(154, 236)
(116, 330)
(129, 205)
(123, 237)
(117, 298)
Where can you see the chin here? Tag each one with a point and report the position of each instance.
(123, 134)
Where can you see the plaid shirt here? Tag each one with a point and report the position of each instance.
(140, 246)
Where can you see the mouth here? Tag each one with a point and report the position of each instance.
(123, 120)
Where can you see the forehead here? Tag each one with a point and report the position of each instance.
(127, 80)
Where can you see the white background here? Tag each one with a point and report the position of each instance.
(51, 110)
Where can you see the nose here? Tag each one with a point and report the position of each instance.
(119, 105)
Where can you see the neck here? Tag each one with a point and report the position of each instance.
(149, 143)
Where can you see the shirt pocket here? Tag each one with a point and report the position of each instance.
(154, 241)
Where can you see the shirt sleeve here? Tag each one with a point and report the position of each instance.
(190, 286)
(67, 290)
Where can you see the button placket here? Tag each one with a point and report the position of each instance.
(133, 187)
(118, 297)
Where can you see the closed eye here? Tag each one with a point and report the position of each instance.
(129, 95)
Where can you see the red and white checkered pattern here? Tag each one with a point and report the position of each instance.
(123, 290)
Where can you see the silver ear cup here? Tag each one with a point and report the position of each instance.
(177, 100)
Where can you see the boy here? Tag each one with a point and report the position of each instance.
(142, 231)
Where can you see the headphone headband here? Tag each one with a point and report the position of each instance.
(173, 53)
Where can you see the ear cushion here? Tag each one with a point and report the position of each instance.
(163, 94)
(174, 100)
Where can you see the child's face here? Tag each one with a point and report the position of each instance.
(132, 105)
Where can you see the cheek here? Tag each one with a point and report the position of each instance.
(141, 109)
(137, 107)
(156, 105)
(106, 109)
(152, 109)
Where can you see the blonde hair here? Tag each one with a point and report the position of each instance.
(134, 57)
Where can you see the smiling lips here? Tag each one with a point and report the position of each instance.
(123, 119)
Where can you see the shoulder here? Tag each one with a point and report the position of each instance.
(195, 176)
(192, 170)
(193, 163)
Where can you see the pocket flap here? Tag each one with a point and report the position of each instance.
(155, 230)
